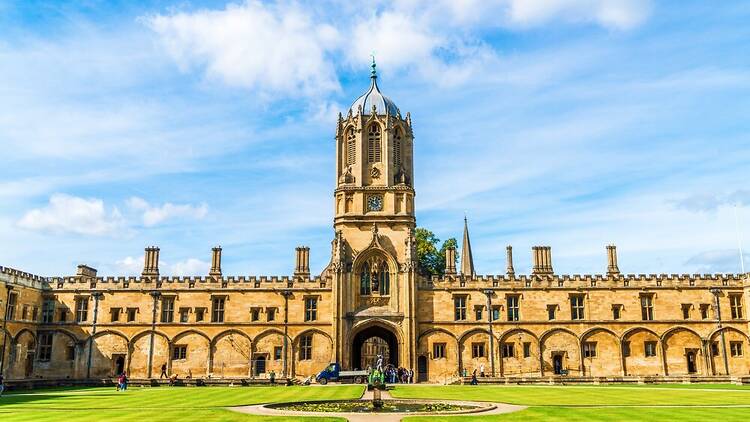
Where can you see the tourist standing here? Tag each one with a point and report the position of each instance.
(272, 376)
(124, 384)
(2, 385)
(163, 371)
(481, 370)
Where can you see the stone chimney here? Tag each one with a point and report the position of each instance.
(215, 262)
(86, 271)
(450, 260)
(509, 260)
(542, 258)
(302, 265)
(612, 268)
(151, 262)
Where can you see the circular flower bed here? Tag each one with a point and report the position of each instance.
(361, 406)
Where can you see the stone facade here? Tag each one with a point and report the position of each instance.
(536, 325)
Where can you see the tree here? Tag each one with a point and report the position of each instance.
(431, 259)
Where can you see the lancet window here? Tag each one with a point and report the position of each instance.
(375, 278)
(373, 143)
(351, 148)
(397, 148)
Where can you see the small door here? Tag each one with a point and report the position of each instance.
(29, 364)
(119, 364)
(690, 356)
(422, 369)
(260, 365)
(557, 363)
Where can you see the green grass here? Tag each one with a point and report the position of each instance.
(159, 404)
(620, 403)
(545, 403)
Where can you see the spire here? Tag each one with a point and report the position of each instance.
(467, 262)
(373, 73)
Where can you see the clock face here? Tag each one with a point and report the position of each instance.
(375, 203)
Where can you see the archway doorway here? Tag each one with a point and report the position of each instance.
(371, 342)
(119, 368)
(422, 369)
(260, 365)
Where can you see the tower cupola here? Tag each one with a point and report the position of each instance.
(373, 97)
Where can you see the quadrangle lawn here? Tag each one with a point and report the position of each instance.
(597, 403)
(545, 403)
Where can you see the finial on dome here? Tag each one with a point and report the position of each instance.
(373, 73)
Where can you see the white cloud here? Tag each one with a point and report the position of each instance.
(617, 14)
(153, 215)
(71, 214)
(271, 48)
(718, 261)
(129, 266)
(703, 202)
(190, 266)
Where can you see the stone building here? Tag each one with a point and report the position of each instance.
(370, 300)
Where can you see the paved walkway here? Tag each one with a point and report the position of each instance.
(491, 409)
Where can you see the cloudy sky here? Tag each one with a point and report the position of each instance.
(188, 124)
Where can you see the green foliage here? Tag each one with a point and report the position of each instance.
(431, 259)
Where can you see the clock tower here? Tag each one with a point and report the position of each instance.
(374, 252)
(374, 163)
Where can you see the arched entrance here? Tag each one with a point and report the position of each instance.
(370, 342)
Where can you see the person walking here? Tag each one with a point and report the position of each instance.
(120, 381)
(481, 370)
(2, 385)
(272, 376)
(123, 382)
(163, 371)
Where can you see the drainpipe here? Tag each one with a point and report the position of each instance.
(286, 293)
(488, 292)
(716, 292)
(5, 331)
(154, 294)
(96, 296)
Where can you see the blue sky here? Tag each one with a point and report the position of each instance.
(570, 123)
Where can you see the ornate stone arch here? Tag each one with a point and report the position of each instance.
(551, 331)
(14, 339)
(516, 330)
(633, 330)
(219, 336)
(717, 331)
(136, 337)
(471, 332)
(112, 332)
(594, 330)
(187, 333)
(665, 336)
(435, 330)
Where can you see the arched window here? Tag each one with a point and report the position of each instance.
(397, 149)
(364, 280)
(385, 280)
(351, 148)
(373, 143)
(375, 277)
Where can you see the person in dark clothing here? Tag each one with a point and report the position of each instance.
(2, 385)
(163, 372)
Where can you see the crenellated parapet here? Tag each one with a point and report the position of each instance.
(14, 276)
(588, 281)
(190, 282)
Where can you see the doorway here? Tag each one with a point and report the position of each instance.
(387, 345)
(260, 365)
(691, 366)
(118, 365)
(557, 363)
(422, 375)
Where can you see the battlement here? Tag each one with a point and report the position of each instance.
(12, 275)
(586, 281)
(180, 282)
